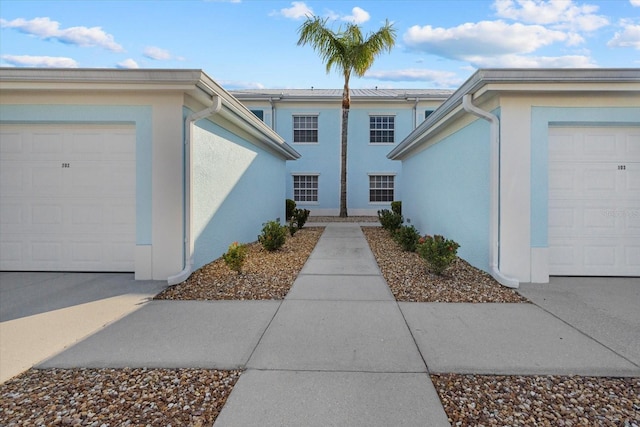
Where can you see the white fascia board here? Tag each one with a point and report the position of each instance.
(193, 82)
(237, 113)
(483, 81)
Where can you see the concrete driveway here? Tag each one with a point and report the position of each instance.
(41, 314)
(606, 309)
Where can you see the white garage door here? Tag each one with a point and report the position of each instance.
(594, 201)
(67, 197)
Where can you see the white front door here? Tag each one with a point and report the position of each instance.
(594, 201)
(67, 197)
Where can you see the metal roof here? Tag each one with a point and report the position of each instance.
(337, 93)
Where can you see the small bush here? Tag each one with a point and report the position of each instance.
(235, 256)
(407, 237)
(438, 252)
(300, 217)
(293, 226)
(390, 221)
(290, 206)
(396, 207)
(273, 236)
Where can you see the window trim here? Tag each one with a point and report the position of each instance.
(394, 128)
(387, 174)
(293, 188)
(293, 128)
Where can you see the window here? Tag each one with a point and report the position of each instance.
(381, 129)
(305, 188)
(381, 188)
(305, 129)
(427, 113)
(259, 114)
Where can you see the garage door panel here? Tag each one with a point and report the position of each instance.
(599, 145)
(632, 145)
(49, 145)
(594, 201)
(68, 203)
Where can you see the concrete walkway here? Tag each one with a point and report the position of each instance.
(339, 350)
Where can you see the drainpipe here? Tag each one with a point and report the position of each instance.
(188, 199)
(494, 227)
(273, 114)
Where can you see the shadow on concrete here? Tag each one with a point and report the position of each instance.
(25, 294)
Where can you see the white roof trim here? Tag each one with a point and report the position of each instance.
(188, 81)
(483, 81)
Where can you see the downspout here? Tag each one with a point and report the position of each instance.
(415, 113)
(494, 227)
(188, 197)
(273, 113)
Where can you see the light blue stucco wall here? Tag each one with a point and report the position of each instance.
(322, 158)
(363, 158)
(236, 187)
(541, 119)
(446, 190)
(138, 116)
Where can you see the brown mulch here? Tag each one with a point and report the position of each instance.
(265, 275)
(486, 400)
(410, 280)
(194, 397)
(115, 397)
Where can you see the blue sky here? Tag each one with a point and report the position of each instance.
(253, 43)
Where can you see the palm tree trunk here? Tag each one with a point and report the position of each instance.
(346, 105)
(343, 164)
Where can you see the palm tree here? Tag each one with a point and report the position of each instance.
(349, 52)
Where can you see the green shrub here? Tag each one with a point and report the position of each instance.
(390, 221)
(396, 207)
(407, 237)
(235, 256)
(293, 226)
(273, 236)
(290, 206)
(300, 217)
(438, 252)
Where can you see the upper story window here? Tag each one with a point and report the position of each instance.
(259, 114)
(305, 129)
(382, 129)
(427, 113)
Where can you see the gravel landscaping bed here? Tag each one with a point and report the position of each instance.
(194, 397)
(265, 275)
(480, 400)
(409, 279)
(115, 397)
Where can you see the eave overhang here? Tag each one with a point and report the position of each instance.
(488, 82)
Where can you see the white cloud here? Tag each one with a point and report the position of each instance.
(437, 78)
(520, 61)
(298, 10)
(157, 53)
(128, 63)
(628, 37)
(40, 61)
(561, 14)
(486, 38)
(635, 3)
(47, 29)
(358, 16)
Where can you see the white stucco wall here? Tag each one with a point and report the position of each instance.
(525, 121)
(157, 119)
